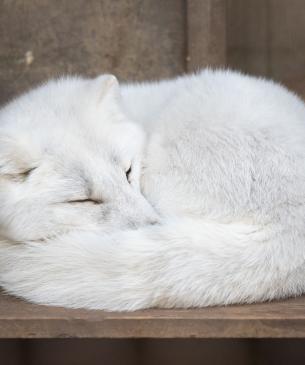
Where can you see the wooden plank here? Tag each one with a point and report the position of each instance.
(133, 39)
(297, 85)
(267, 37)
(247, 36)
(287, 38)
(206, 33)
(19, 319)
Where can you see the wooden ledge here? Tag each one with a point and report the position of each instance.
(285, 319)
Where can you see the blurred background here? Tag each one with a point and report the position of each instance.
(148, 39)
(140, 40)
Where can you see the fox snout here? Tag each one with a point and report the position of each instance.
(134, 224)
(140, 215)
(128, 211)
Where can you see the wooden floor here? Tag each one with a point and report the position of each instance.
(285, 319)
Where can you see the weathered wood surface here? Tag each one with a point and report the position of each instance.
(148, 39)
(133, 39)
(267, 37)
(206, 34)
(19, 319)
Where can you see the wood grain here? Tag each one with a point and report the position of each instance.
(133, 39)
(267, 37)
(19, 319)
(149, 39)
(206, 33)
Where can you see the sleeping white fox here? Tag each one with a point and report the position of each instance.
(180, 193)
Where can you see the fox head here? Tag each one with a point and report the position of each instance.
(70, 159)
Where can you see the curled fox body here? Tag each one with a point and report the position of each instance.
(180, 193)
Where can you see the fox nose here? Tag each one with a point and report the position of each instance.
(138, 221)
(153, 222)
(136, 224)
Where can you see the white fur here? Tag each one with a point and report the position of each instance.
(213, 212)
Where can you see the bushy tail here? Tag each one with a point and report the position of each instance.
(181, 264)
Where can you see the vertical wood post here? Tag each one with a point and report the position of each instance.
(206, 33)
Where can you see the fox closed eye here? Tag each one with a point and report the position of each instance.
(93, 201)
(128, 172)
(28, 172)
(19, 176)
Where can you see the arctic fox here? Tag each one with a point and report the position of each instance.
(181, 193)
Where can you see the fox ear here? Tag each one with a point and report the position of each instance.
(107, 86)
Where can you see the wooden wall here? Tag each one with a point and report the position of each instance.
(148, 39)
(45, 38)
(267, 37)
(133, 39)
